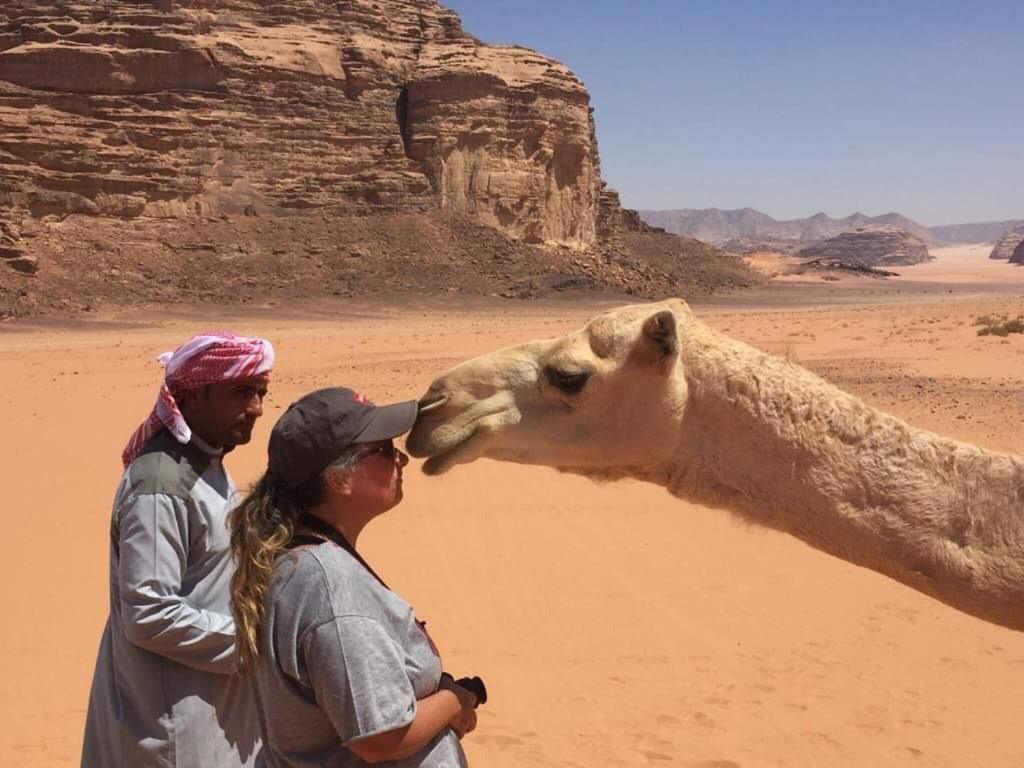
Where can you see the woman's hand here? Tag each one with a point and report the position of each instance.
(464, 720)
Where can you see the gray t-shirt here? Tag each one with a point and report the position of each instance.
(343, 658)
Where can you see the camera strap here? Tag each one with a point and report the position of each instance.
(326, 532)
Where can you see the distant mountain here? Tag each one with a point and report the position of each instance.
(714, 225)
(982, 232)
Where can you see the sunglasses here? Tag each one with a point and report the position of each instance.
(388, 451)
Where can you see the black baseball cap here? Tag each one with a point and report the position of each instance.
(316, 428)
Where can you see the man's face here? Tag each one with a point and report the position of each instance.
(223, 415)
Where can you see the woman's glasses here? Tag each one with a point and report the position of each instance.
(387, 451)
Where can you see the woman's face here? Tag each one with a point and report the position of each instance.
(377, 478)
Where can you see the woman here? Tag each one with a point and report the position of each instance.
(343, 673)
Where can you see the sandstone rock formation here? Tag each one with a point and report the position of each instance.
(1017, 257)
(236, 151)
(871, 247)
(1004, 248)
(193, 107)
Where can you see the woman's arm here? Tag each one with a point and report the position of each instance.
(450, 706)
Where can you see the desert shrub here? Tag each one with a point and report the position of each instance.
(1000, 326)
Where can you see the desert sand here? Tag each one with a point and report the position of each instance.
(614, 625)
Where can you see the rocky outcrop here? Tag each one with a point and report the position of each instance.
(1017, 257)
(1007, 244)
(12, 253)
(871, 247)
(177, 108)
(749, 244)
(613, 219)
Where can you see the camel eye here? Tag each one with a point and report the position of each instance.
(570, 382)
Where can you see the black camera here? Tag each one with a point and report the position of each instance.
(475, 686)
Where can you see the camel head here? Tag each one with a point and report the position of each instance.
(609, 396)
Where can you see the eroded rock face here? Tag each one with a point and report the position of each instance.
(177, 108)
(871, 247)
(506, 135)
(1005, 248)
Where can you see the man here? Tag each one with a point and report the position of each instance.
(164, 692)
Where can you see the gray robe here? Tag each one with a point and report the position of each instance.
(164, 692)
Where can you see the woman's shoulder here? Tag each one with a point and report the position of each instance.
(327, 565)
(342, 580)
(301, 565)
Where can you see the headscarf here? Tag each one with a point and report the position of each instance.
(214, 357)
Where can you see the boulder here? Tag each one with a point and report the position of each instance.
(12, 254)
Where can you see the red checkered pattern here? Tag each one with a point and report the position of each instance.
(209, 358)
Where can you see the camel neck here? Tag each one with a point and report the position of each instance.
(780, 446)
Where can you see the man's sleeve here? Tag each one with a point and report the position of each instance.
(154, 541)
(357, 672)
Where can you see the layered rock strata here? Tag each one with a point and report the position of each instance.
(871, 247)
(1007, 244)
(179, 108)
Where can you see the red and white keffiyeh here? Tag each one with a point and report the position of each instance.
(209, 358)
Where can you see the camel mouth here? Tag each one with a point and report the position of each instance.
(443, 458)
(440, 442)
(446, 434)
(444, 444)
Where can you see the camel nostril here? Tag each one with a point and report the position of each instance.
(431, 402)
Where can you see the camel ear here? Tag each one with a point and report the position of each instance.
(660, 329)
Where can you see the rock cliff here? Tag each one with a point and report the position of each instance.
(174, 108)
(1006, 245)
(238, 151)
(871, 247)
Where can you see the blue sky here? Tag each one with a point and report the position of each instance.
(793, 107)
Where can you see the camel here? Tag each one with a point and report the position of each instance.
(650, 392)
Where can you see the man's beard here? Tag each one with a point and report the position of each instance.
(240, 435)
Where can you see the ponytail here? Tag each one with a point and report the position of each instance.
(260, 531)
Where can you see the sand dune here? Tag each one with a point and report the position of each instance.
(613, 624)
